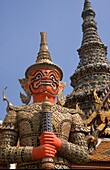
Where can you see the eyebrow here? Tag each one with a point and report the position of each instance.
(33, 74)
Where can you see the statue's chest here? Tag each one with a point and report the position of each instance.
(30, 124)
(62, 124)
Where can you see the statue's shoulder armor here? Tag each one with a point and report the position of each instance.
(10, 120)
(29, 107)
(63, 110)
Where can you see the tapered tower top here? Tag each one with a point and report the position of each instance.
(87, 10)
(89, 26)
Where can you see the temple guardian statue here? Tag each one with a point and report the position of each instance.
(43, 134)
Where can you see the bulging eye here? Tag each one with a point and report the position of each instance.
(38, 76)
(52, 77)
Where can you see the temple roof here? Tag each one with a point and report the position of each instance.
(102, 152)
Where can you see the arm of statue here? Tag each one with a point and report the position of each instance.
(11, 153)
(76, 149)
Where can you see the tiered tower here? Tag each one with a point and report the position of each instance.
(93, 70)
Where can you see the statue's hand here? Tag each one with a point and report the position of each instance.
(50, 138)
(44, 151)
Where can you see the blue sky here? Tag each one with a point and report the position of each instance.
(21, 22)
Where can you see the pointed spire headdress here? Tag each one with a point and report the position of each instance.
(43, 59)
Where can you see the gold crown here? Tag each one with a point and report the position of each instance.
(43, 59)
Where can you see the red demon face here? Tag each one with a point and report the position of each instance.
(44, 81)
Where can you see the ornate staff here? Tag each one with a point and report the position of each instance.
(47, 163)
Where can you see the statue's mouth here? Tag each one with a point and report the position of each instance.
(36, 85)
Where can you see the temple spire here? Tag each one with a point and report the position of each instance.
(93, 70)
(89, 26)
(87, 10)
(92, 52)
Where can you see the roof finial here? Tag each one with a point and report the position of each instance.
(87, 10)
(89, 26)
